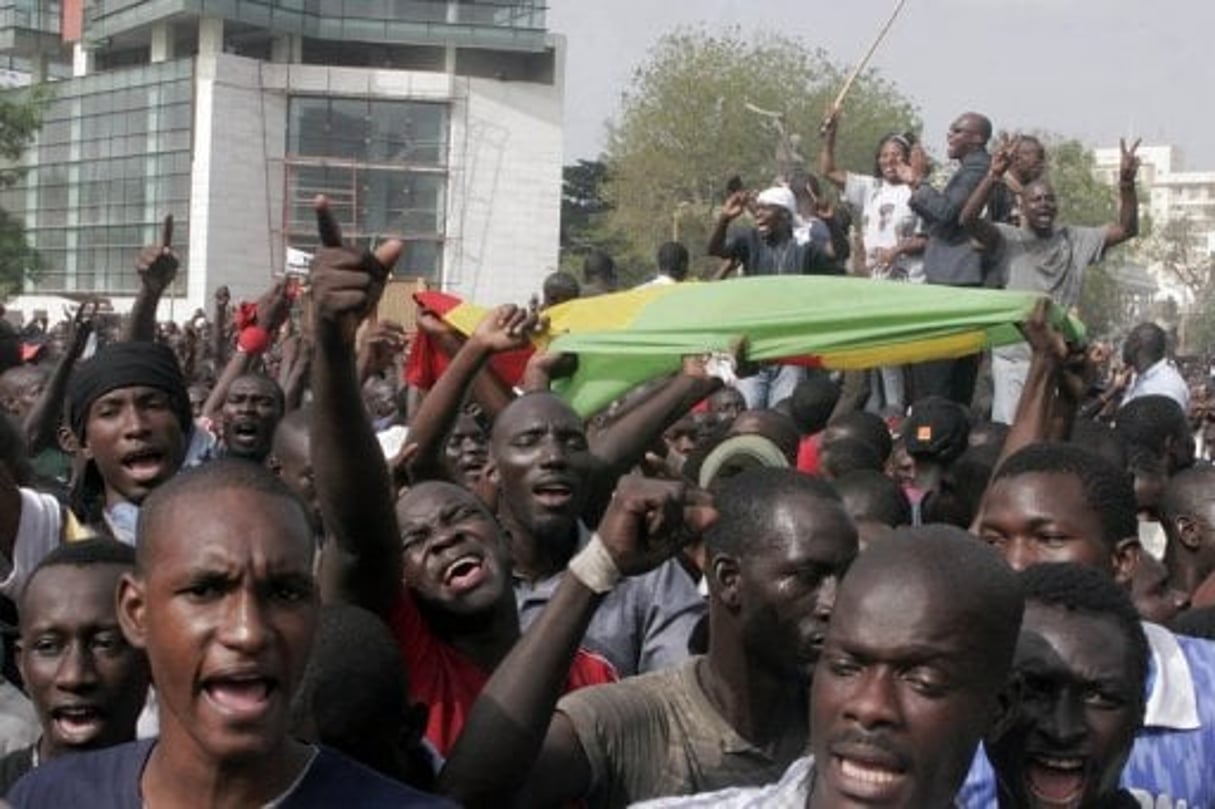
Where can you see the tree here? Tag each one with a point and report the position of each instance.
(20, 119)
(685, 127)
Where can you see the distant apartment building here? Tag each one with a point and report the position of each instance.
(437, 121)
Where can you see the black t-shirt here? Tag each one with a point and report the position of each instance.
(758, 256)
(109, 779)
(14, 765)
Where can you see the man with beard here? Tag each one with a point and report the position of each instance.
(1042, 256)
(1082, 667)
(87, 683)
(776, 553)
(912, 674)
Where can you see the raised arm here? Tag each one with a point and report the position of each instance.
(733, 208)
(273, 307)
(941, 207)
(1001, 161)
(512, 744)
(1034, 419)
(42, 422)
(1127, 226)
(351, 483)
(219, 334)
(157, 267)
(505, 328)
(826, 155)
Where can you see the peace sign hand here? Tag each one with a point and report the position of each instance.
(1129, 164)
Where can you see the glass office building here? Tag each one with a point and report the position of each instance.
(419, 119)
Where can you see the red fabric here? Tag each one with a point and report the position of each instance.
(807, 454)
(245, 316)
(427, 362)
(448, 683)
(253, 340)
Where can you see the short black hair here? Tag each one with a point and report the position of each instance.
(1079, 588)
(1149, 340)
(1108, 491)
(870, 495)
(812, 401)
(351, 647)
(968, 574)
(1196, 623)
(1150, 421)
(560, 286)
(1187, 491)
(85, 553)
(599, 266)
(1099, 438)
(865, 426)
(216, 476)
(280, 400)
(744, 505)
(673, 260)
(846, 455)
(988, 432)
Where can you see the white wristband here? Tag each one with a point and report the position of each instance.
(594, 567)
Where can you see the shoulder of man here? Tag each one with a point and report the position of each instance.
(335, 780)
(101, 779)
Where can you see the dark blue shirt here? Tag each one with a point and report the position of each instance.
(109, 779)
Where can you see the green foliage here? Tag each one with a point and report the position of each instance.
(20, 119)
(684, 129)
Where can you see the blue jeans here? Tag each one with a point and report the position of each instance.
(772, 384)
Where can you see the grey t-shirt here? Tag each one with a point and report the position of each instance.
(1054, 266)
(658, 734)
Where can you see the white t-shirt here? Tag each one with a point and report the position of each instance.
(886, 217)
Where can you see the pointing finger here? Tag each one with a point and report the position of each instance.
(166, 231)
(326, 224)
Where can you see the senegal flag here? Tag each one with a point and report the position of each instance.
(832, 322)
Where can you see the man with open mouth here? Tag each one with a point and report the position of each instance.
(1081, 665)
(87, 683)
(249, 415)
(224, 601)
(1058, 503)
(914, 671)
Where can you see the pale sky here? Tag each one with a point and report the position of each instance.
(1090, 69)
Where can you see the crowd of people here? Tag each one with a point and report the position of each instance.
(290, 554)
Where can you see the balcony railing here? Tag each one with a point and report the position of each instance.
(519, 24)
(30, 15)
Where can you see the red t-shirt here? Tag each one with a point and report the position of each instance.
(448, 683)
(807, 454)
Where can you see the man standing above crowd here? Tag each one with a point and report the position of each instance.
(1043, 257)
(768, 248)
(950, 258)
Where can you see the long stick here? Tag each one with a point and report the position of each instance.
(852, 77)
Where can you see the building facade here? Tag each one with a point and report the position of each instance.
(435, 121)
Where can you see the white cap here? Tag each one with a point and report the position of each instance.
(779, 196)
